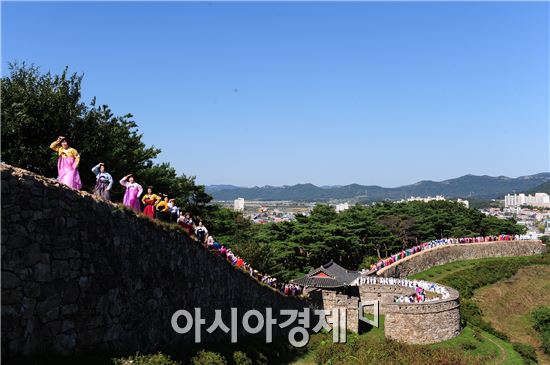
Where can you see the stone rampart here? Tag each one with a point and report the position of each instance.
(329, 300)
(423, 323)
(455, 252)
(80, 274)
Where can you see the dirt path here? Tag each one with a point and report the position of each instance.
(503, 354)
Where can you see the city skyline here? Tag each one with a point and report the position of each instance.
(255, 94)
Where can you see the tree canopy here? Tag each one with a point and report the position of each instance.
(38, 107)
(358, 236)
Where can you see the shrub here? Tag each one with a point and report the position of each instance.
(330, 353)
(546, 342)
(476, 333)
(155, 359)
(541, 319)
(527, 352)
(261, 359)
(468, 346)
(365, 350)
(240, 358)
(208, 358)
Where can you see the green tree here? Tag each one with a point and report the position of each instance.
(37, 108)
(356, 237)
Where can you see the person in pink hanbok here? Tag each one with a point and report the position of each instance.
(67, 164)
(133, 191)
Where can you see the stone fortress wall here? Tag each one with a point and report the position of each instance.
(329, 300)
(80, 273)
(464, 251)
(434, 321)
(423, 323)
(416, 323)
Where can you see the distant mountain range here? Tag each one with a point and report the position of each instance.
(542, 188)
(481, 187)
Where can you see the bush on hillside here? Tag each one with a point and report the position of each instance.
(527, 352)
(364, 350)
(541, 318)
(240, 358)
(152, 359)
(208, 358)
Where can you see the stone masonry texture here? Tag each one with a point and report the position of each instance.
(423, 323)
(80, 274)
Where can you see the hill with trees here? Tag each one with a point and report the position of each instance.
(542, 188)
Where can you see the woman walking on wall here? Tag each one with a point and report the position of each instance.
(67, 164)
(103, 183)
(133, 191)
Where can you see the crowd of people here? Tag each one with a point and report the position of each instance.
(210, 243)
(154, 206)
(420, 288)
(440, 242)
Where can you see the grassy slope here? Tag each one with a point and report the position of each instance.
(505, 310)
(507, 305)
(443, 272)
(488, 348)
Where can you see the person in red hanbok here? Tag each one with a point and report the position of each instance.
(150, 200)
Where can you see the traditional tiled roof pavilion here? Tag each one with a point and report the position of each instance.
(328, 276)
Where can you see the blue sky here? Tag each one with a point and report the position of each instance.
(327, 93)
